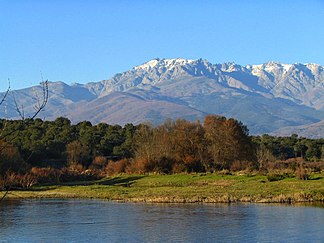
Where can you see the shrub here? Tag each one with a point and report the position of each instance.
(284, 167)
(117, 167)
(159, 165)
(236, 166)
(12, 180)
(178, 168)
(162, 165)
(99, 162)
(241, 165)
(139, 166)
(78, 168)
(314, 166)
(293, 163)
(28, 180)
(301, 173)
(46, 175)
(78, 173)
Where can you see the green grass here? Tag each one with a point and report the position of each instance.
(191, 188)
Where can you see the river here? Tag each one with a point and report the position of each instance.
(103, 221)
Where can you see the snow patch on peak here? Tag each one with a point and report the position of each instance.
(176, 61)
(313, 67)
(168, 63)
(259, 66)
(255, 69)
(271, 67)
(286, 67)
(148, 65)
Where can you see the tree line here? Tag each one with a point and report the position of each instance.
(218, 143)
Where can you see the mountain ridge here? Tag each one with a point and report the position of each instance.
(266, 97)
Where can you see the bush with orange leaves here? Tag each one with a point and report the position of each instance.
(116, 167)
(99, 162)
(138, 166)
(12, 180)
(241, 165)
(46, 175)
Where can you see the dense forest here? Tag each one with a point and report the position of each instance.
(34, 150)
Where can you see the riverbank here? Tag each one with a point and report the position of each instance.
(186, 188)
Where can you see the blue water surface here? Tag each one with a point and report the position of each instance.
(103, 221)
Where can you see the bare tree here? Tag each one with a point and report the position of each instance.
(2, 148)
(40, 103)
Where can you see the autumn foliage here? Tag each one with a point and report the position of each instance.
(58, 151)
(184, 146)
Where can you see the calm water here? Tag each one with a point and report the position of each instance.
(101, 221)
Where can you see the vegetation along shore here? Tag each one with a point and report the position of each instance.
(178, 161)
(186, 188)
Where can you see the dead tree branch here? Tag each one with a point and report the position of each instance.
(6, 94)
(40, 102)
(4, 195)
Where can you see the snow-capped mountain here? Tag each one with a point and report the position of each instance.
(265, 97)
(296, 82)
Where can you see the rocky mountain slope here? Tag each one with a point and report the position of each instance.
(265, 97)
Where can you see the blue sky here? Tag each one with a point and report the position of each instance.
(82, 41)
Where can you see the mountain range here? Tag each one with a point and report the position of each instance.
(271, 98)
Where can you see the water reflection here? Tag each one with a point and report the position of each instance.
(102, 221)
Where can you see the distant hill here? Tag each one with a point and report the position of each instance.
(315, 130)
(265, 97)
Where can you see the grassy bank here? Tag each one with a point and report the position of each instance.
(186, 188)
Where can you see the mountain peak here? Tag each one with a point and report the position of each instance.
(271, 67)
(163, 62)
(265, 97)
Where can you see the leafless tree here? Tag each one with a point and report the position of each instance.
(40, 103)
(1, 148)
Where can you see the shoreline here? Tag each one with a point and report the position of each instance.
(281, 199)
(183, 188)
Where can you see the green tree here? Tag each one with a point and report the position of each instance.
(78, 153)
